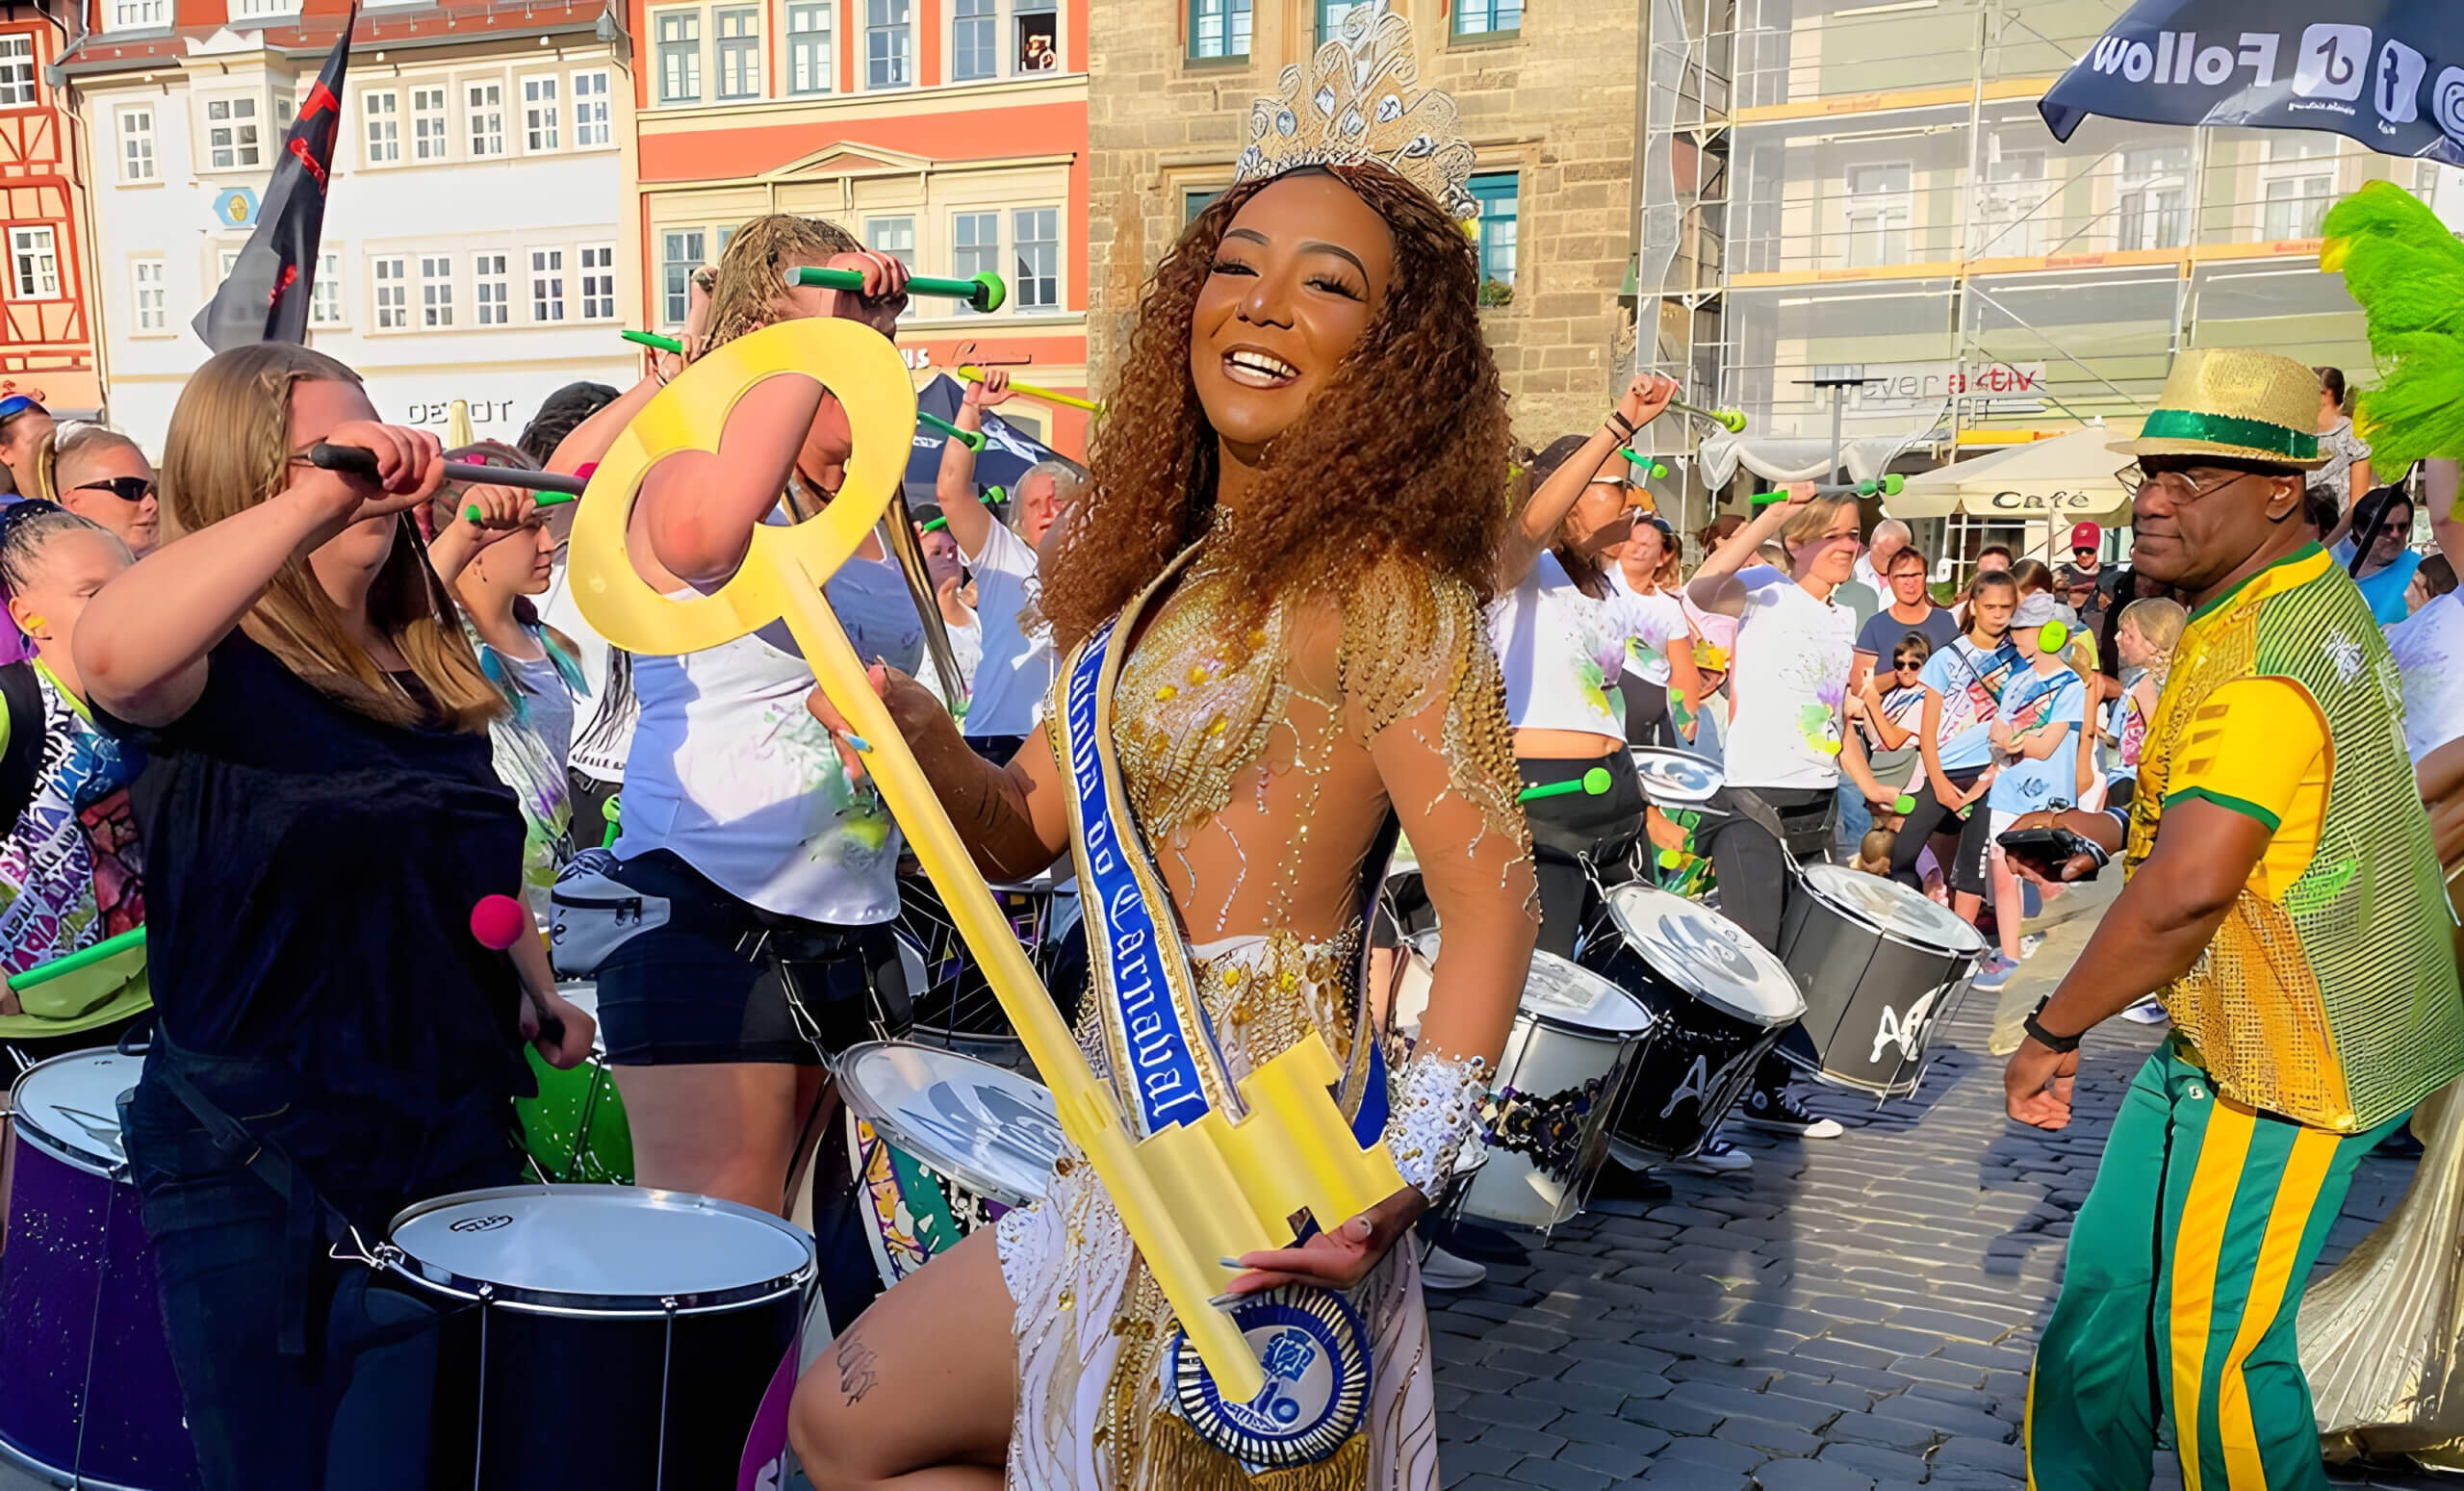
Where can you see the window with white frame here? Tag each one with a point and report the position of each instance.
(546, 284)
(590, 110)
(148, 294)
(231, 133)
(541, 114)
(974, 37)
(137, 144)
(286, 109)
(679, 57)
(16, 69)
(2296, 184)
(393, 293)
(245, 9)
(889, 43)
(1878, 210)
(2150, 198)
(427, 124)
(132, 14)
(680, 255)
(436, 291)
(809, 61)
(1039, 28)
(2011, 219)
(896, 238)
(597, 281)
(491, 293)
(736, 38)
(1034, 243)
(975, 249)
(486, 113)
(384, 127)
(325, 295)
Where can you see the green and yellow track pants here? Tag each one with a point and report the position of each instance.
(2179, 1294)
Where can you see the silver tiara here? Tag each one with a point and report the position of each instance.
(1356, 102)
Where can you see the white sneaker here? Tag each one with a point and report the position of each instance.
(2029, 943)
(2149, 1010)
(1442, 1270)
(1716, 1157)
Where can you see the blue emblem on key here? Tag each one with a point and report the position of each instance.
(1315, 1354)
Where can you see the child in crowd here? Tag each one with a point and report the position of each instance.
(1873, 852)
(2036, 743)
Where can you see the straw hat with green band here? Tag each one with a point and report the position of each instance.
(2237, 404)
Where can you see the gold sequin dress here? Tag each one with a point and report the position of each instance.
(1260, 756)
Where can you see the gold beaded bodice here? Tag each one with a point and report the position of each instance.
(1260, 754)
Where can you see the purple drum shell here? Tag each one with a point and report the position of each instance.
(77, 1297)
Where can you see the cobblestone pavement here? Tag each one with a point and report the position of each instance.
(1854, 1314)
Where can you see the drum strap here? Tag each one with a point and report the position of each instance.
(310, 1215)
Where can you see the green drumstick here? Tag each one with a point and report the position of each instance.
(984, 291)
(1645, 464)
(82, 958)
(991, 496)
(1594, 782)
(652, 340)
(611, 810)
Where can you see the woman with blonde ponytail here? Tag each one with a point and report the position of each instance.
(320, 817)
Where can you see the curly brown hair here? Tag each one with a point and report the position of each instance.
(1404, 456)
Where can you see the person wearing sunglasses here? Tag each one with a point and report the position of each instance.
(2281, 894)
(101, 476)
(24, 424)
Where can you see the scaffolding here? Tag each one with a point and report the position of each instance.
(1834, 185)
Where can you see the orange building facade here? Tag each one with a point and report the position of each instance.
(46, 322)
(951, 133)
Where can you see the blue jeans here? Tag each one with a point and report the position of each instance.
(1856, 819)
(225, 1252)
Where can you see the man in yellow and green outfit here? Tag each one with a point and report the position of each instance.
(2282, 898)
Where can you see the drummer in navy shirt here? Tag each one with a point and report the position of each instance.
(320, 815)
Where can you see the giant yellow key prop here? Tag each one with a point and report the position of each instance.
(1190, 1196)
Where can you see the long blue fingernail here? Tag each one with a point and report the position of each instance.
(1231, 1263)
(861, 745)
(1224, 1301)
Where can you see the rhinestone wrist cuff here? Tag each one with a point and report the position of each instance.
(1437, 1109)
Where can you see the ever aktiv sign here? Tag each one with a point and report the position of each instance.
(2389, 73)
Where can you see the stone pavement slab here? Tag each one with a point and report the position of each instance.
(1854, 1314)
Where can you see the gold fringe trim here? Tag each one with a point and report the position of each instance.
(1178, 1461)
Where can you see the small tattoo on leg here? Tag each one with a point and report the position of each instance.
(856, 1368)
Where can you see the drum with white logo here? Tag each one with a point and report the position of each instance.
(1679, 786)
(604, 1336)
(1880, 964)
(1545, 1124)
(1719, 1002)
(86, 1394)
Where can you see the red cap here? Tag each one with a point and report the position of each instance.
(2087, 535)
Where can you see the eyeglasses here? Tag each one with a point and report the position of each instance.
(128, 489)
(1906, 664)
(2176, 486)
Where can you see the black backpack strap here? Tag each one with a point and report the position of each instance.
(21, 694)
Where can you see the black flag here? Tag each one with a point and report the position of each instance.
(266, 297)
(2389, 73)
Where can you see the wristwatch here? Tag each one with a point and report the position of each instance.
(2059, 1045)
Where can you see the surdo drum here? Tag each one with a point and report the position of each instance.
(1879, 964)
(1544, 1123)
(1719, 1001)
(604, 1336)
(86, 1392)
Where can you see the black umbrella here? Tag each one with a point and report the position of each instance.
(2389, 73)
(1007, 451)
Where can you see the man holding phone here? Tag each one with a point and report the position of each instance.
(2284, 902)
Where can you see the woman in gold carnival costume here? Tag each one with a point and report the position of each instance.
(1295, 494)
